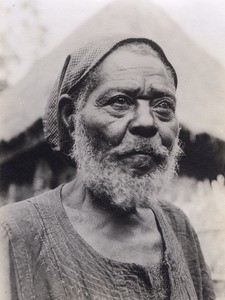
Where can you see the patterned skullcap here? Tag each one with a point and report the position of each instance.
(76, 68)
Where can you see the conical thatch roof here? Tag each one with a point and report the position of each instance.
(200, 90)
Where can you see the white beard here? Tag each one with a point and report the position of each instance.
(103, 176)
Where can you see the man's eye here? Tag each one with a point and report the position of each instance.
(120, 102)
(165, 105)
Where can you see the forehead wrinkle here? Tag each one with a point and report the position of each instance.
(138, 88)
(126, 68)
(157, 87)
(136, 72)
(139, 69)
(126, 76)
(118, 61)
(131, 87)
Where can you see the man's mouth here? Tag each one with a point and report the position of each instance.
(158, 158)
(141, 160)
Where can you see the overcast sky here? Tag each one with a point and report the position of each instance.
(203, 20)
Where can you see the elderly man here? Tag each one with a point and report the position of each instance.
(108, 234)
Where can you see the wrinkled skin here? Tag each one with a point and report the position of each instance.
(134, 101)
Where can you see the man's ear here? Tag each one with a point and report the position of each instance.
(66, 112)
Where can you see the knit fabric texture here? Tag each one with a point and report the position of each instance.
(76, 68)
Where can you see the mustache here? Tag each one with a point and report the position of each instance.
(140, 146)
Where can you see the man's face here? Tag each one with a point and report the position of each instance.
(128, 128)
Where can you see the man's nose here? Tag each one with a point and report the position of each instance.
(143, 123)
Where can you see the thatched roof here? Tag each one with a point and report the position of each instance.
(201, 86)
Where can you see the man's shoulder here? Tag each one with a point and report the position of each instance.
(178, 219)
(170, 208)
(25, 212)
(23, 230)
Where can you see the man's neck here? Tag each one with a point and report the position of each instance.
(77, 197)
(131, 236)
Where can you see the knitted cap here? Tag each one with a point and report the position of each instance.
(76, 67)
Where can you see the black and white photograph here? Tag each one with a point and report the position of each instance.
(112, 149)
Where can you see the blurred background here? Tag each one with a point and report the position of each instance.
(35, 38)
